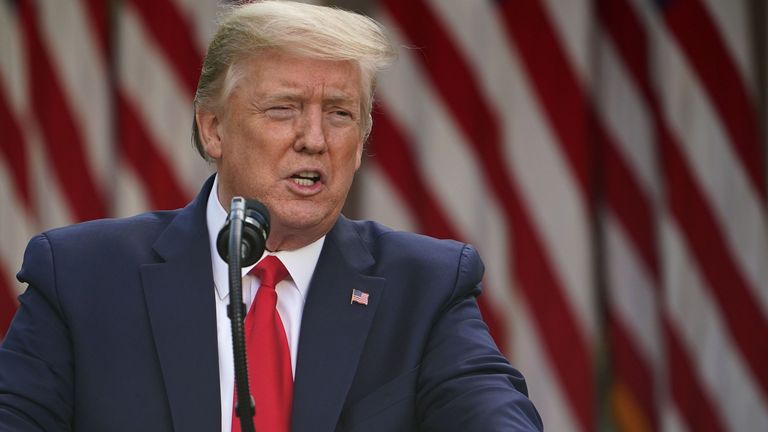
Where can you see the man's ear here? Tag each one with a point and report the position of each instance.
(359, 154)
(208, 126)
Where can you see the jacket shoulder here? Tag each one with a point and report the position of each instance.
(376, 234)
(96, 241)
(402, 248)
(113, 231)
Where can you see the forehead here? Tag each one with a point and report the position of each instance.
(271, 71)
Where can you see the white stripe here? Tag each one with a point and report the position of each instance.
(691, 309)
(16, 228)
(13, 61)
(15, 288)
(670, 419)
(733, 21)
(449, 167)
(201, 16)
(492, 239)
(130, 197)
(573, 24)
(625, 115)
(164, 105)
(629, 126)
(631, 292)
(537, 165)
(543, 387)
(50, 203)
(379, 201)
(68, 35)
(16, 225)
(447, 163)
(736, 204)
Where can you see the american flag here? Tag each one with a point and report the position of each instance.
(606, 157)
(359, 297)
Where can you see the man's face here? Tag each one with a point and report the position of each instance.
(289, 136)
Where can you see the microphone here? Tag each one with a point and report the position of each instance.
(240, 243)
(254, 217)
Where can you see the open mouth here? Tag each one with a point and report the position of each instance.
(306, 178)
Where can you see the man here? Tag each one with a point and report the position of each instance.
(124, 327)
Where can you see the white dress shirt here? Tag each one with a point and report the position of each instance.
(291, 294)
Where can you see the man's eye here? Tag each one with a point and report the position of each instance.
(341, 114)
(280, 112)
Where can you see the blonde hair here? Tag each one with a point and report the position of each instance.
(319, 32)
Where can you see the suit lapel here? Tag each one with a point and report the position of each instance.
(333, 331)
(180, 301)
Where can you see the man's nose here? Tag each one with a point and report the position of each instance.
(311, 134)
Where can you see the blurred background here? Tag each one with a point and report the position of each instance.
(606, 157)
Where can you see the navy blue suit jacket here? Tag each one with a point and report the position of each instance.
(117, 332)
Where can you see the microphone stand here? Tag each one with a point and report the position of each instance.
(244, 406)
(239, 252)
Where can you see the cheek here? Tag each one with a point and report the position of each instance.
(349, 159)
(351, 146)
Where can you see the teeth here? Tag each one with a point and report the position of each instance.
(307, 174)
(303, 181)
(305, 178)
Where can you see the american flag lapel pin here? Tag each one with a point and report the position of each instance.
(359, 297)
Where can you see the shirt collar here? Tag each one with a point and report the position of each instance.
(300, 263)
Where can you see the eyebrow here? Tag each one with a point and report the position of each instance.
(332, 98)
(283, 96)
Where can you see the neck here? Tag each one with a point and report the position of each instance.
(281, 241)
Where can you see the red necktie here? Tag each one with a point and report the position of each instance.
(269, 359)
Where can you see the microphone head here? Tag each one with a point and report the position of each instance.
(255, 218)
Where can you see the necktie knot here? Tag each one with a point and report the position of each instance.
(270, 271)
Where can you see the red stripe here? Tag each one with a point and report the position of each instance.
(631, 40)
(626, 196)
(630, 203)
(173, 33)
(97, 13)
(742, 317)
(13, 150)
(634, 212)
(150, 166)
(698, 410)
(566, 346)
(556, 84)
(390, 150)
(704, 47)
(396, 159)
(632, 369)
(629, 36)
(7, 302)
(700, 228)
(61, 135)
(744, 320)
